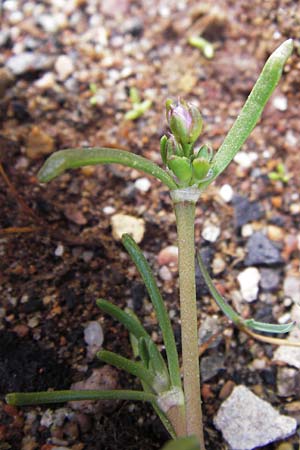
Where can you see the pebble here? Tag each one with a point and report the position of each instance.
(93, 336)
(64, 67)
(249, 281)
(275, 233)
(209, 327)
(226, 193)
(165, 274)
(295, 208)
(108, 210)
(211, 366)
(248, 422)
(269, 279)
(287, 382)
(291, 288)
(287, 354)
(247, 230)
(246, 211)
(28, 62)
(51, 23)
(142, 184)
(123, 223)
(280, 102)
(47, 81)
(39, 143)
(6, 80)
(59, 251)
(168, 255)
(210, 232)
(261, 251)
(103, 378)
(245, 160)
(218, 265)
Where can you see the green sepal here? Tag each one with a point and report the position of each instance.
(201, 168)
(181, 167)
(163, 149)
(205, 152)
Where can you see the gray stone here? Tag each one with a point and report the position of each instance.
(261, 251)
(291, 288)
(211, 366)
(247, 422)
(93, 336)
(209, 327)
(245, 211)
(287, 354)
(287, 381)
(269, 279)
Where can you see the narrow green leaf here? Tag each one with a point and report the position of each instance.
(134, 368)
(143, 352)
(62, 160)
(232, 315)
(184, 443)
(252, 110)
(158, 303)
(38, 398)
(132, 325)
(269, 327)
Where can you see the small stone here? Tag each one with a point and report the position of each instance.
(249, 280)
(275, 233)
(247, 230)
(287, 354)
(93, 336)
(261, 251)
(247, 422)
(246, 211)
(165, 274)
(226, 193)
(123, 223)
(210, 232)
(50, 23)
(280, 102)
(108, 210)
(209, 327)
(38, 143)
(218, 265)
(73, 214)
(142, 184)
(59, 251)
(64, 67)
(47, 81)
(286, 381)
(295, 208)
(269, 279)
(28, 62)
(291, 288)
(168, 255)
(245, 160)
(211, 366)
(7, 79)
(103, 379)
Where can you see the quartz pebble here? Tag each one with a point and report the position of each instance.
(210, 232)
(280, 102)
(248, 422)
(93, 336)
(168, 255)
(28, 62)
(64, 67)
(245, 160)
(287, 354)
(142, 184)
(226, 193)
(165, 274)
(249, 280)
(123, 223)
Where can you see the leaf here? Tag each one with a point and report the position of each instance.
(269, 327)
(184, 443)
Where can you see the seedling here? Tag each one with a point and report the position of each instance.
(139, 107)
(202, 44)
(280, 174)
(188, 172)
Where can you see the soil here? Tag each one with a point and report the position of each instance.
(57, 251)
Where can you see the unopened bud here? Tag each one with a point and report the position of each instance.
(201, 168)
(185, 121)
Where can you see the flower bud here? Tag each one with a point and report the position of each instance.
(181, 167)
(169, 147)
(185, 122)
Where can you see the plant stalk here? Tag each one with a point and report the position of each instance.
(185, 215)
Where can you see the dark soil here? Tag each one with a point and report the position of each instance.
(56, 247)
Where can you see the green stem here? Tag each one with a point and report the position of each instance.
(38, 398)
(185, 215)
(73, 158)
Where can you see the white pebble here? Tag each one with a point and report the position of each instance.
(249, 280)
(47, 81)
(280, 102)
(123, 223)
(247, 230)
(226, 192)
(210, 232)
(59, 251)
(165, 274)
(64, 67)
(93, 336)
(108, 210)
(142, 184)
(245, 160)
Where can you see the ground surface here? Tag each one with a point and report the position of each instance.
(63, 256)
